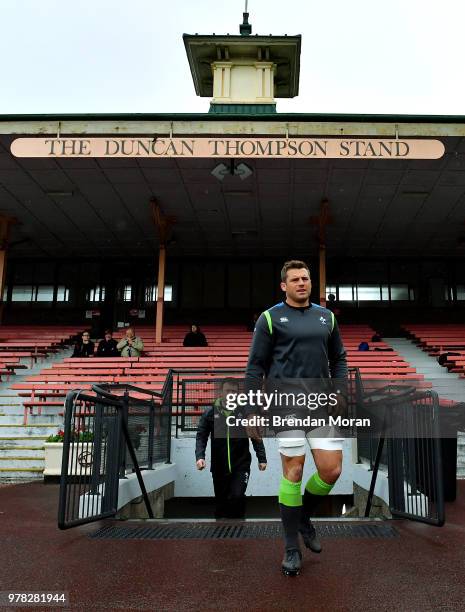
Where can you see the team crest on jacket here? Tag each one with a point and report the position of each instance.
(284, 320)
(322, 320)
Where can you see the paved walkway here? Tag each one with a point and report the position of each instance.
(422, 570)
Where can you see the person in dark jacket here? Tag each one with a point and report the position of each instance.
(230, 455)
(107, 347)
(84, 347)
(195, 337)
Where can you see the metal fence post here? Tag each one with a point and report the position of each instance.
(96, 450)
(151, 434)
(169, 409)
(124, 424)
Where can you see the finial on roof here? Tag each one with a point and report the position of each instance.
(245, 28)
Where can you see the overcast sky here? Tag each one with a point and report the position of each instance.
(102, 56)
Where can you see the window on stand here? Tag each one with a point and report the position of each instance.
(371, 292)
(96, 294)
(400, 292)
(39, 293)
(331, 290)
(62, 293)
(22, 293)
(368, 293)
(44, 293)
(384, 293)
(460, 292)
(151, 293)
(346, 293)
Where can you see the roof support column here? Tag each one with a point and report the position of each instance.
(5, 225)
(163, 225)
(322, 221)
(161, 294)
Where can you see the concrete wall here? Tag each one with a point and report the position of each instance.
(192, 483)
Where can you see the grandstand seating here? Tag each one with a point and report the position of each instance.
(31, 343)
(436, 339)
(228, 349)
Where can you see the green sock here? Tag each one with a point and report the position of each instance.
(316, 486)
(315, 490)
(289, 493)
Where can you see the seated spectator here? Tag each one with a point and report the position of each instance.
(444, 357)
(363, 346)
(130, 345)
(84, 347)
(195, 337)
(107, 346)
(331, 305)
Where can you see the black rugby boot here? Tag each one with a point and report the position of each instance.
(292, 562)
(309, 536)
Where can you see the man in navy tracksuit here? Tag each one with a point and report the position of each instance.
(230, 455)
(300, 340)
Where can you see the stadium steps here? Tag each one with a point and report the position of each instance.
(21, 450)
(20, 462)
(15, 474)
(448, 385)
(21, 457)
(22, 447)
(18, 418)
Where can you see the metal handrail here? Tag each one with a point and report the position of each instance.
(100, 389)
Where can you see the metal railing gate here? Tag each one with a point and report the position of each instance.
(414, 460)
(108, 433)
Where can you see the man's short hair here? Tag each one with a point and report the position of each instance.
(293, 264)
(229, 381)
(108, 331)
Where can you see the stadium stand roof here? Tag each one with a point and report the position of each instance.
(99, 207)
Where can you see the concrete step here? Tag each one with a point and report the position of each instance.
(20, 474)
(8, 400)
(22, 463)
(14, 441)
(48, 410)
(21, 450)
(40, 429)
(446, 384)
(18, 419)
(12, 409)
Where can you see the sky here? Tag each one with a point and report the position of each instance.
(127, 56)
